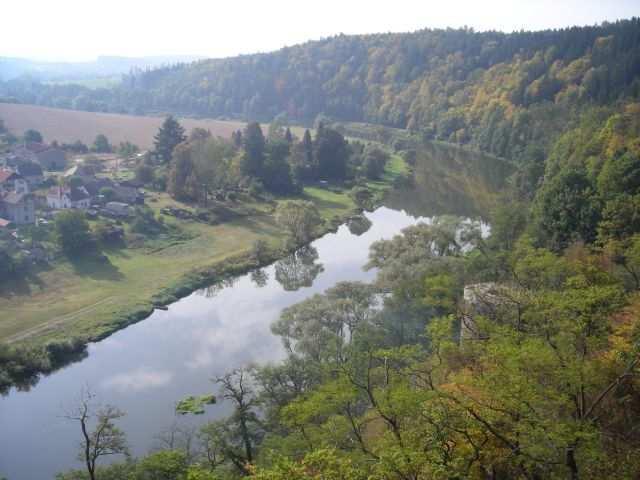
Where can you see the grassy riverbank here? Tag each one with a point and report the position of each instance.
(50, 317)
(88, 298)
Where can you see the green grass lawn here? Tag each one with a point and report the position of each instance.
(330, 203)
(85, 298)
(82, 298)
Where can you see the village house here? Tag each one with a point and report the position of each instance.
(60, 198)
(11, 181)
(48, 156)
(31, 172)
(18, 208)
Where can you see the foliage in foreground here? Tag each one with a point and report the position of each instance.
(381, 380)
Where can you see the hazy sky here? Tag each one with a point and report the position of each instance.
(83, 29)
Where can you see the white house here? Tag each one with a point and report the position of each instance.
(61, 198)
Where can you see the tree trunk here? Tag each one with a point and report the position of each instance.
(571, 463)
(87, 448)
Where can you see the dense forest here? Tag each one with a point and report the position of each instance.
(515, 355)
(498, 92)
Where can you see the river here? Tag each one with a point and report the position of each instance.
(146, 368)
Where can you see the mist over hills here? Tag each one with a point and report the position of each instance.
(102, 66)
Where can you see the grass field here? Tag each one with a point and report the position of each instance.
(84, 298)
(71, 125)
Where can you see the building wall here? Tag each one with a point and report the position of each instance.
(82, 204)
(18, 185)
(58, 203)
(21, 186)
(22, 213)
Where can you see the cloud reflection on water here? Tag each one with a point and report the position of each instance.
(137, 380)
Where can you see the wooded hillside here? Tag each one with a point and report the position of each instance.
(496, 91)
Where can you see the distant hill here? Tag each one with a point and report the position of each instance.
(497, 92)
(103, 66)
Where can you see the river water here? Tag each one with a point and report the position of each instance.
(147, 367)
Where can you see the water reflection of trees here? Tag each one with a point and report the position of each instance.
(450, 180)
(213, 289)
(260, 277)
(298, 269)
(26, 373)
(358, 225)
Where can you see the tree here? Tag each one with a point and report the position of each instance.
(144, 173)
(199, 134)
(260, 251)
(33, 136)
(105, 439)
(307, 145)
(72, 232)
(320, 464)
(234, 439)
(298, 217)
(620, 217)
(236, 138)
(163, 465)
(7, 265)
(375, 160)
(78, 147)
(145, 222)
(358, 225)
(626, 253)
(620, 175)
(107, 193)
(127, 149)
(568, 209)
(169, 136)
(253, 143)
(276, 174)
(299, 269)
(362, 197)
(321, 326)
(107, 233)
(331, 154)
(302, 162)
(301, 159)
(181, 170)
(101, 144)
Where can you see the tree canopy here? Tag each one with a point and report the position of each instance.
(169, 136)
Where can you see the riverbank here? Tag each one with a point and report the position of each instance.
(72, 304)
